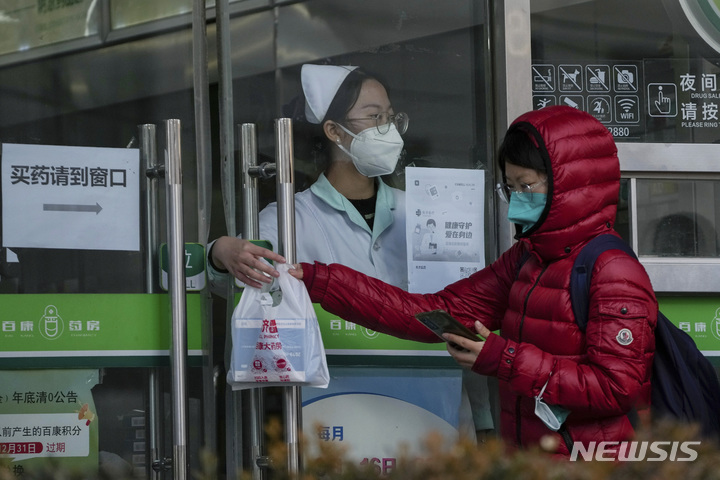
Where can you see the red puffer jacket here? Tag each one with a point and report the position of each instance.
(599, 375)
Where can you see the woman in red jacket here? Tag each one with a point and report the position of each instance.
(562, 177)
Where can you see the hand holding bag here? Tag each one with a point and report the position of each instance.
(276, 338)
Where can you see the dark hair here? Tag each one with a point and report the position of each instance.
(519, 149)
(346, 95)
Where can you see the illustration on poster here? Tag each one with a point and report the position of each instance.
(445, 238)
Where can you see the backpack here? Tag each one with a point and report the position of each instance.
(684, 383)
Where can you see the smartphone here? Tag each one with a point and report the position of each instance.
(440, 322)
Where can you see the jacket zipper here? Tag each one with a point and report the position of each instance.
(518, 426)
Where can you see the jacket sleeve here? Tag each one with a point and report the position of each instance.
(216, 278)
(614, 374)
(381, 307)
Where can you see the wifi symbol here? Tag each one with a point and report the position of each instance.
(626, 104)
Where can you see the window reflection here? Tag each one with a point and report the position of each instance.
(28, 25)
(124, 13)
(622, 221)
(678, 218)
(639, 67)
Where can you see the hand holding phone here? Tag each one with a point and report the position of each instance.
(441, 322)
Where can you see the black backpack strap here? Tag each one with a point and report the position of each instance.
(581, 274)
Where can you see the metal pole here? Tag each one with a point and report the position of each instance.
(292, 401)
(202, 120)
(176, 280)
(251, 231)
(285, 179)
(227, 147)
(158, 463)
(233, 404)
(512, 95)
(148, 158)
(248, 138)
(204, 202)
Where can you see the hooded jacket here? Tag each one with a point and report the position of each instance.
(599, 375)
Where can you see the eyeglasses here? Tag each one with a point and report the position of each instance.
(384, 120)
(504, 190)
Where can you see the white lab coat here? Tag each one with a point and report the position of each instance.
(329, 229)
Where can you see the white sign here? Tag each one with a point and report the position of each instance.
(377, 415)
(70, 197)
(374, 428)
(44, 435)
(445, 218)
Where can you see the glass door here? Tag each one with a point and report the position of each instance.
(648, 70)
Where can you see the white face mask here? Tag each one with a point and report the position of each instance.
(552, 416)
(373, 153)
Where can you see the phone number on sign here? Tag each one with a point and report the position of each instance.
(619, 131)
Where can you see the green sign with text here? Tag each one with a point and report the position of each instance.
(91, 329)
(699, 317)
(194, 262)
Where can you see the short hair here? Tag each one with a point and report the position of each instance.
(519, 149)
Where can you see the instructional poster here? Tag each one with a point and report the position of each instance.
(445, 218)
(48, 417)
(64, 197)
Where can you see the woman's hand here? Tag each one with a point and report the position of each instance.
(466, 351)
(243, 259)
(296, 271)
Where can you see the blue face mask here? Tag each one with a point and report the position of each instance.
(526, 209)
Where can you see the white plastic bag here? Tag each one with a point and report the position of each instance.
(276, 338)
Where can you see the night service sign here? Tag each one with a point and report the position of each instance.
(70, 197)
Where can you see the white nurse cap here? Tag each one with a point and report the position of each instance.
(320, 84)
